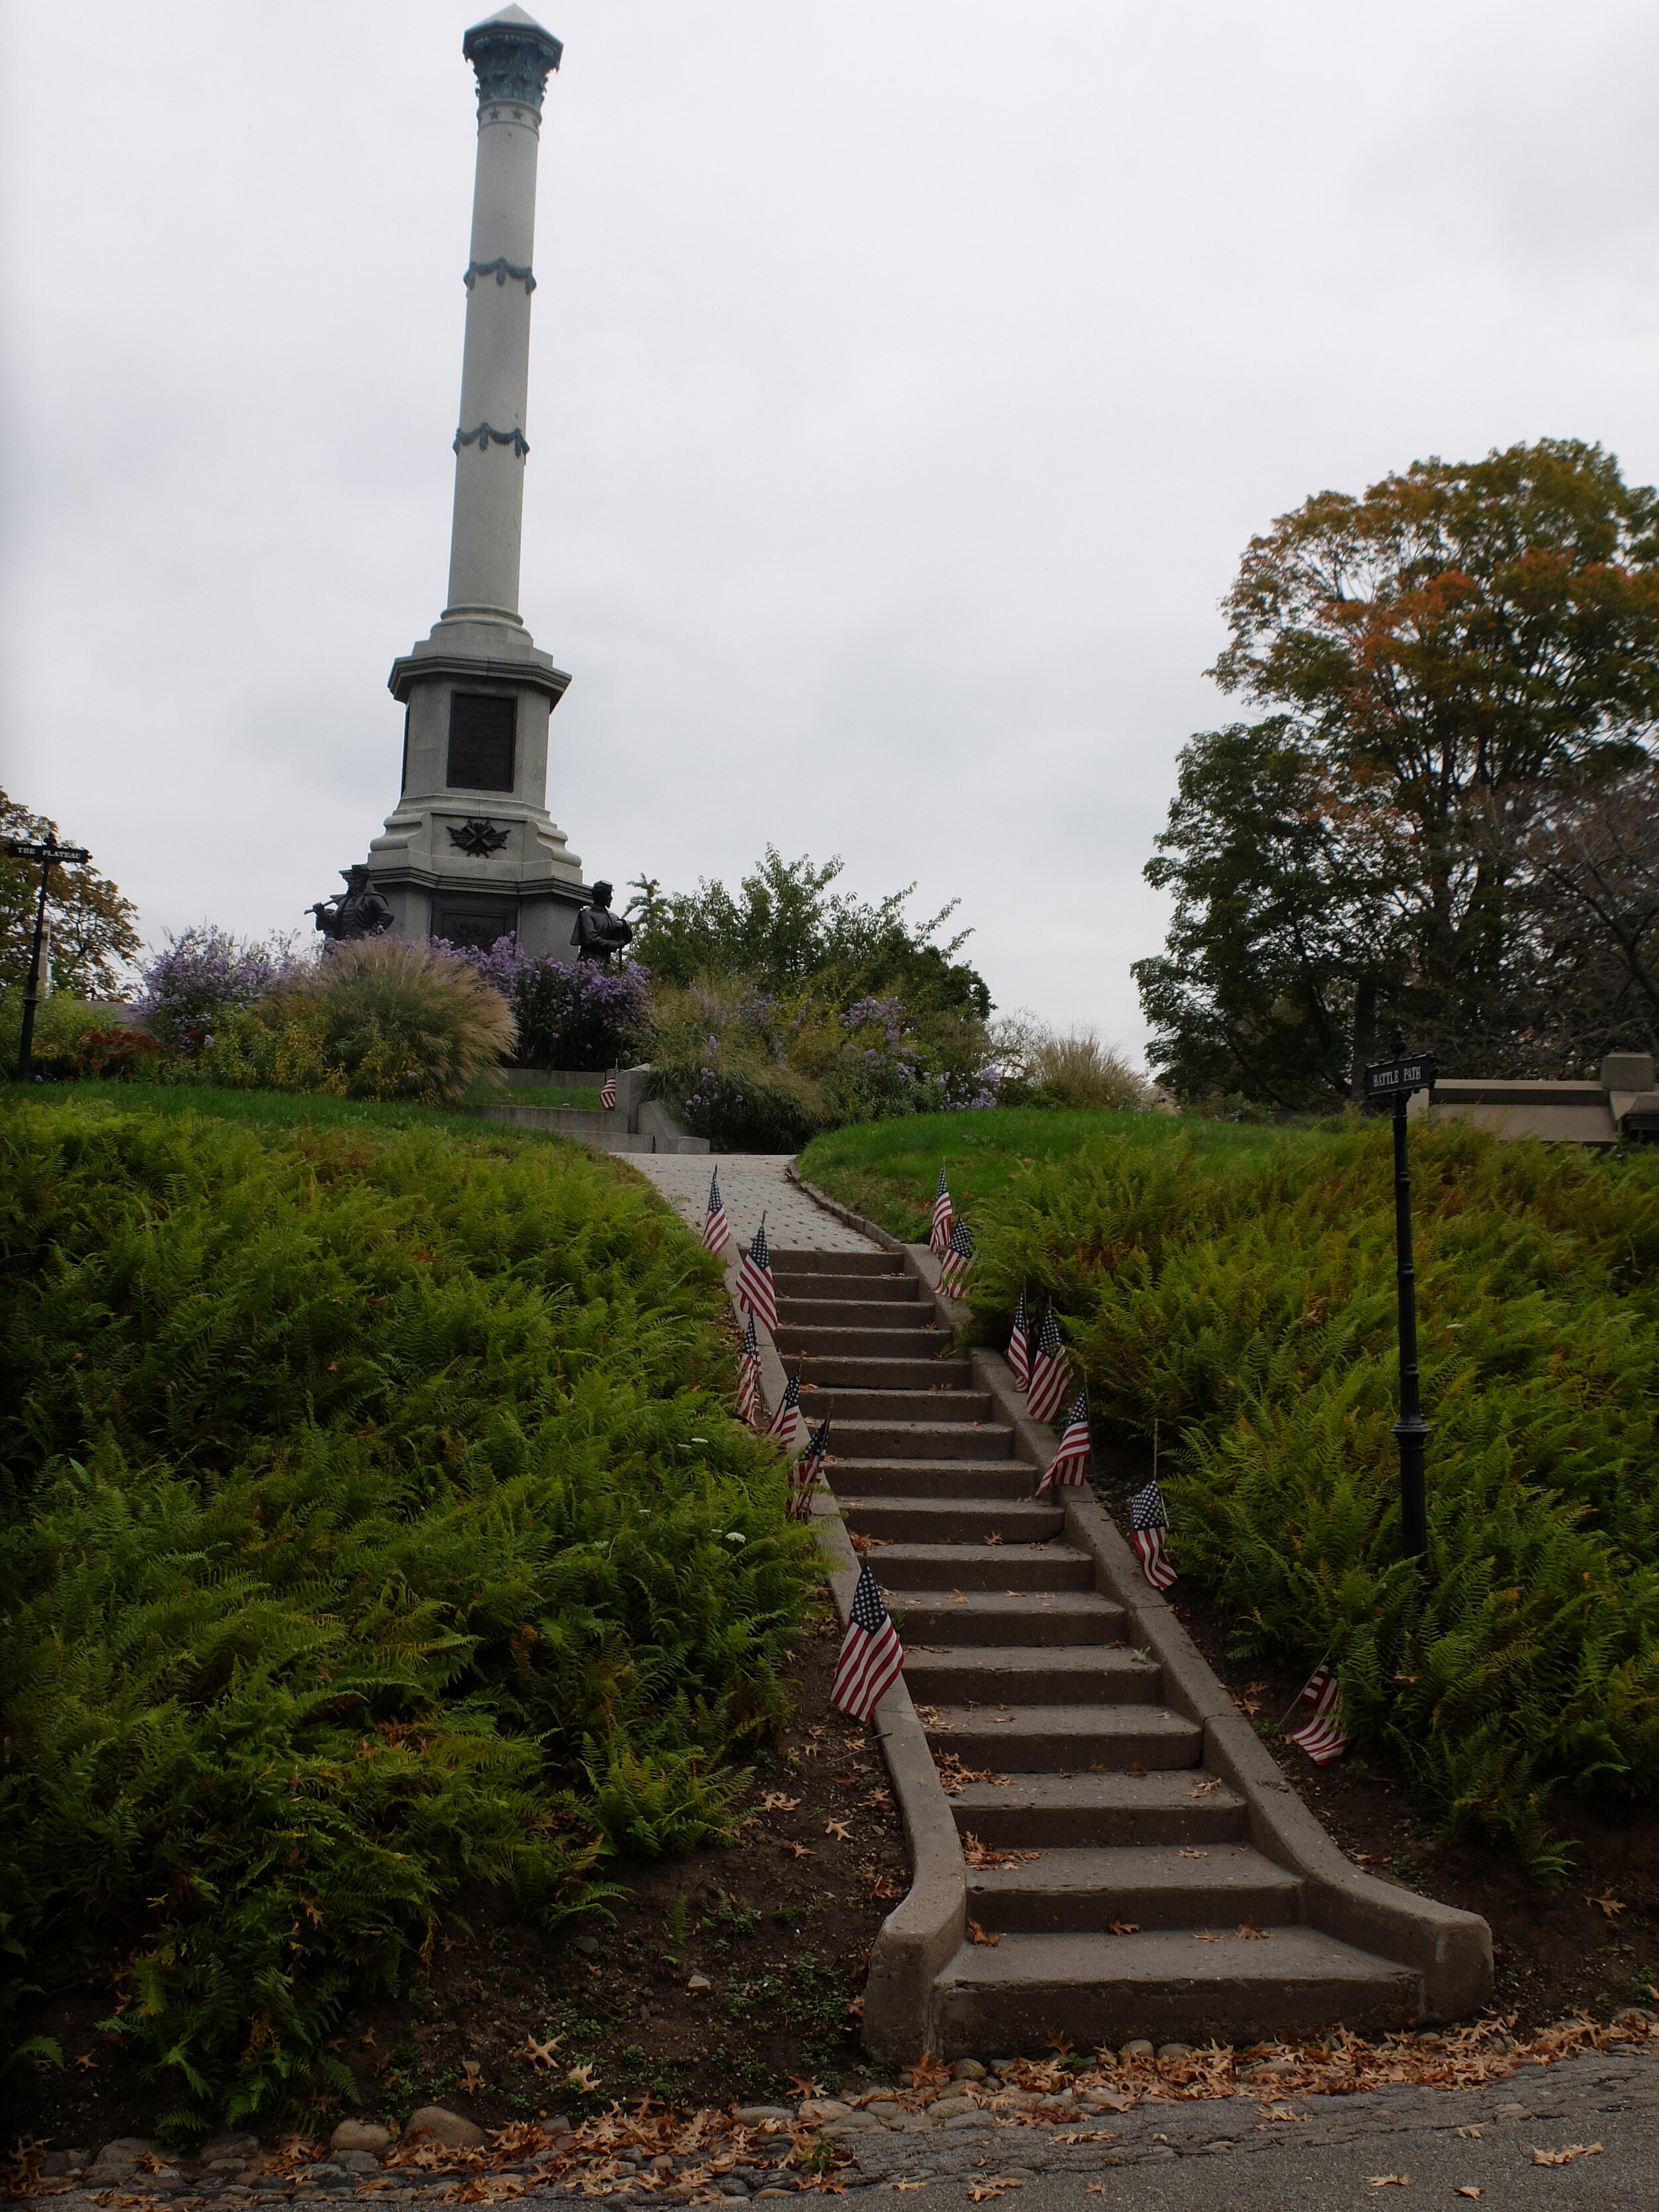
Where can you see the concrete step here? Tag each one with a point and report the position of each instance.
(1031, 1811)
(865, 1439)
(1042, 1739)
(796, 1340)
(993, 1617)
(924, 1405)
(984, 1566)
(838, 1371)
(847, 1313)
(1166, 1985)
(952, 1520)
(1154, 1886)
(933, 1478)
(1037, 1673)
(792, 1262)
(813, 1288)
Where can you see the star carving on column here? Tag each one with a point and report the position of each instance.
(479, 839)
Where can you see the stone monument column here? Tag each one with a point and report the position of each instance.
(470, 852)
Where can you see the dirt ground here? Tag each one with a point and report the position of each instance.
(733, 1972)
(737, 1974)
(1587, 1942)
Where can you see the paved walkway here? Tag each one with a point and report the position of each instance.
(752, 1183)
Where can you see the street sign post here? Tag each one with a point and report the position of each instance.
(1392, 1082)
(46, 853)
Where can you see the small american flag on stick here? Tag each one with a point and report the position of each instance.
(871, 1656)
(1050, 1372)
(807, 1471)
(608, 1092)
(756, 1291)
(1321, 1736)
(716, 1229)
(939, 1236)
(1070, 1464)
(1149, 1516)
(958, 1259)
(786, 1422)
(1019, 1344)
(749, 1375)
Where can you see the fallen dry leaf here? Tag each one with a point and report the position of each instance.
(855, 2007)
(1247, 1932)
(1124, 1927)
(775, 1802)
(1566, 2157)
(800, 1851)
(1468, 2189)
(879, 1887)
(979, 1935)
(909, 2185)
(1190, 1852)
(805, 2085)
(1390, 2181)
(583, 2077)
(538, 2054)
(839, 1829)
(1609, 1904)
(471, 2076)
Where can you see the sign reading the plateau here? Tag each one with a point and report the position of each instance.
(1394, 1078)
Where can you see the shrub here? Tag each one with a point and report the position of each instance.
(368, 1520)
(376, 1019)
(206, 972)
(1250, 1309)
(570, 1014)
(749, 1070)
(1078, 1070)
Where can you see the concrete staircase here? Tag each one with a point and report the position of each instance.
(1029, 1678)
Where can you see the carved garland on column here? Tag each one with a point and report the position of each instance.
(500, 269)
(484, 436)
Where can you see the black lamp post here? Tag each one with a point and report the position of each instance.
(46, 854)
(1394, 1080)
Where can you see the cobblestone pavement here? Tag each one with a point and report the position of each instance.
(1310, 2152)
(752, 1183)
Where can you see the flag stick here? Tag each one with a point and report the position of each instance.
(1301, 1693)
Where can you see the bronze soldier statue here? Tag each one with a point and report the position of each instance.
(357, 911)
(598, 933)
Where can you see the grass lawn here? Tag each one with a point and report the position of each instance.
(286, 1109)
(888, 1170)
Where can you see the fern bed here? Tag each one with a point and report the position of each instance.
(373, 1523)
(1247, 1307)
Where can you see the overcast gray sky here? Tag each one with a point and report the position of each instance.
(907, 381)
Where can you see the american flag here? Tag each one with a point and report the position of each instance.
(1019, 1344)
(940, 1237)
(1149, 1516)
(1070, 1463)
(871, 1656)
(786, 1422)
(749, 1375)
(1321, 1736)
(1050, 1372)
(807, 1471)
(756, 1291)
(958, 1259)
(716, 1231)
(608, 1092)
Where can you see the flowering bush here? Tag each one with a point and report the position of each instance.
(376, 1019)
(204, 972)
(572, 1014)
(751, 1070)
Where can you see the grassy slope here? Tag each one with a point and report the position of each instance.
(1247, 1306)
(888, 1170)
(371, 1522)
(287, 1109)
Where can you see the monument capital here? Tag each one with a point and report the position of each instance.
(513, 55)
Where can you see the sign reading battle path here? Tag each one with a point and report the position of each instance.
(1398, 1078)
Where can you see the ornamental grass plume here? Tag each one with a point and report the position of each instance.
(389, 1013)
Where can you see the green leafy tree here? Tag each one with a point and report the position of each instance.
(785, 927)
(93, 934)
(1443, 660)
